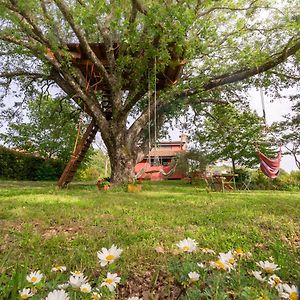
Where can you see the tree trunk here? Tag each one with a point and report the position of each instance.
(122, 162)
(233, 165)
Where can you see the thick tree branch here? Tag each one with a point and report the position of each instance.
(23, 73)
(30, 20)
(249, 72)
(82, 39)
(243, 73)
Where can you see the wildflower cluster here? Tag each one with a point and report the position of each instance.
(225, 263)
(284, 290)
(199, 280)
(77, 282)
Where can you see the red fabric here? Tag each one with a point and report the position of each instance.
(270, 167)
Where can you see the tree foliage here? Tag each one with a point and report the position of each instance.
(220, 45)
(230, 134)
(287, 133)
(49, 129)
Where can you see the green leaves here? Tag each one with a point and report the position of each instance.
(230, 134)
(50, 130)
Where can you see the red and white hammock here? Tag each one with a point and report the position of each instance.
(270, 167)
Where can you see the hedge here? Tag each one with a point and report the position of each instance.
(23, 166)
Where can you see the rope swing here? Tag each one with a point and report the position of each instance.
(269, 166)
(156, 161)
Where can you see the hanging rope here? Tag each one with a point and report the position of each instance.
(149, 118)
(155, 133)
(143, 170)
(269, 166)
(78, 134)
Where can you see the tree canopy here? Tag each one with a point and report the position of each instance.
(49, 129)
(180, 52)
(230, 134)
(287, 132)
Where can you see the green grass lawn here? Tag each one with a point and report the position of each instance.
(41, 227)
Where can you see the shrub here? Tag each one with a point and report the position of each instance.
(284, 181)
(23, 166)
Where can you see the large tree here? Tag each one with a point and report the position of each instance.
(218, 46)
(49, 129)
(230, 134)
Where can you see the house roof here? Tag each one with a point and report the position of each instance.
(172, 143)
(164, 152)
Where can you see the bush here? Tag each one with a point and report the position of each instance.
(244, 176)
(284, 181)
(21, 166)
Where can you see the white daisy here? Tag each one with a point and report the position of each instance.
(108, 256)
(77, 273)
(194, 276)
(225, 262)
(58, 295)
(207, 250)
(34, 277)
(96, 296)
(257, 275)
(274, 281)
(26, 293)
(134, 298)
(59, 269)
(187, 245)
(268, 267)
(227, 257)
(201, 265)
(221, 265)
(77, 281)
(290, 292)
(63, 286)
(111, 281)
(86, 288)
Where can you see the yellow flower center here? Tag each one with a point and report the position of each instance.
(293, 296)
(108, 280)
(24, 296)
(77, 273)
(34, 279)
(84, 290)
(277, 280)
(186, 248)
(110, 257)
(220, 265)
(239, 252)
(231, 260)
(269, 270)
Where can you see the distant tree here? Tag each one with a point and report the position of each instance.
(49, 129)
(96, 167)
(230, 134)
(192, 160)
(287, 132)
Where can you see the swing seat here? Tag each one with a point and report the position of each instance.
(270, 166)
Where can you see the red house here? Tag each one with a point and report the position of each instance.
(158, 166)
